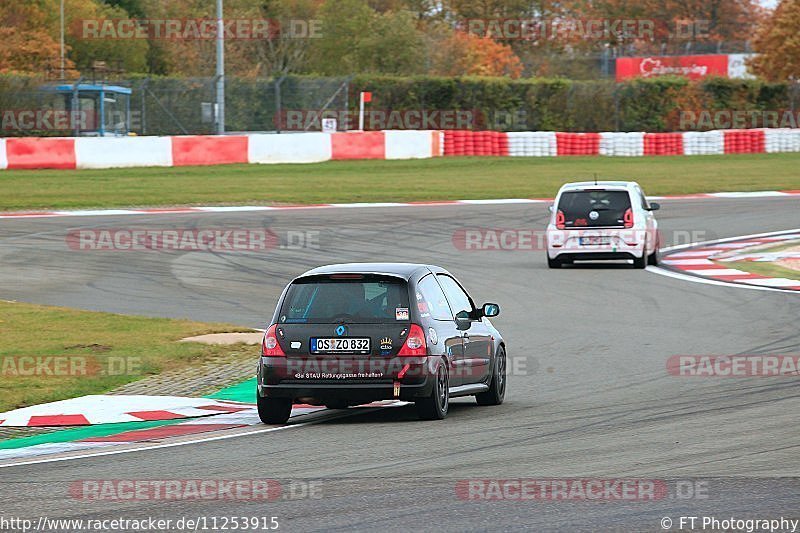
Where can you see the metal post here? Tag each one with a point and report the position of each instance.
(63, 63)
(278, 105)
(102, 130)
(361, 111)
(220, 70)
(144, 107)
(74, 108)
(346, 105)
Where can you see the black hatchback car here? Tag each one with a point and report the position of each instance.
(354, 333)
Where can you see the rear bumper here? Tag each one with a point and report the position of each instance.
(318, 381)
(622, 244)
(597, 256)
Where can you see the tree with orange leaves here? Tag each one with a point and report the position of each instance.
(28, 46)
(778, 44)
(466, 54)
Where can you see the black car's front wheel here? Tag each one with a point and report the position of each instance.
(497, 387)
(274, 410)
(435, 406)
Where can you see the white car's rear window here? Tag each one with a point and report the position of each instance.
(594, 208)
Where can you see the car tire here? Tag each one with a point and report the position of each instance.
(337, 404)
(274, 410)
(497, 387)
(641, 262)
(553, 263)
(654, 258)
(435, 406)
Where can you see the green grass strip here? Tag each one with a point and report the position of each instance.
(443, 178)
(241, 392)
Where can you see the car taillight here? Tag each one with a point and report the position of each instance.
(628, 218)
(415, 345)
(560, 219)
(270, 346)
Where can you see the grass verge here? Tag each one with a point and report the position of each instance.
(381, 181)
(763, 268)
(766, 268)
(51, 353)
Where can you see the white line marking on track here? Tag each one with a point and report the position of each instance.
(719, 272)
(708, 281)
(350, 412)
(442, 203)
(688, 262)
(152, 447)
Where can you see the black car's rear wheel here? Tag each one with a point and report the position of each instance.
(274, 410)
(497, 387)
(435, 406)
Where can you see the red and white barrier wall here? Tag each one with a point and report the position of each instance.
(118, 152)
(114, 152)
(624, 144)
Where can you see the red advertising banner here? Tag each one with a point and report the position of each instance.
(692, 67)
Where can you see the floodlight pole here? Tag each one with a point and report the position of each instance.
(63, 63)
(220, 70)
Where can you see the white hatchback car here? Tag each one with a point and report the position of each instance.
(602, 220)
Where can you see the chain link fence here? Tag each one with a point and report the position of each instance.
(170, 106)
(179, 106)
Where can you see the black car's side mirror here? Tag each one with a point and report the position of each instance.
(463, 320)
(654, 206)
(490, 310)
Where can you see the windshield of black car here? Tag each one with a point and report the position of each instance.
(594, 208)
(333, 301)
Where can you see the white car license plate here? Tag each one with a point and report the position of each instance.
(339, 345)
(595, 241)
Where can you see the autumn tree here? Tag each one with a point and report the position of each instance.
(465, 54)
(675, 21)
(778, 44)
(128, 54)
(356, 38)
(29, 43)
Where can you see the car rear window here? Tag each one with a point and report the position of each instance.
(366, 299)
(594, 208)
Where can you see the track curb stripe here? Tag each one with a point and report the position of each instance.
(700, 264)
(362, 205)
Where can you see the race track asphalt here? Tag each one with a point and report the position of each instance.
(589, 395)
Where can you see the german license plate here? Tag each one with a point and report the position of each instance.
(339, 345)
(594, 241)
